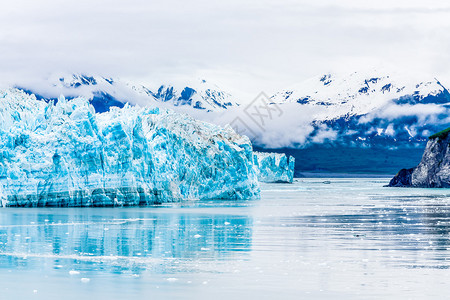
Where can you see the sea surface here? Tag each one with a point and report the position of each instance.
(318, 238)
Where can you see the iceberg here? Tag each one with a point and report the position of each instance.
(65, 154)
(274, 167)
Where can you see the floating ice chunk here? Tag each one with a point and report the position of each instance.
(73, 272)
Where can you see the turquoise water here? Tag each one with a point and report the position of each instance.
(346, 239)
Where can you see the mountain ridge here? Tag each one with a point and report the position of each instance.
(321, 116)
(360, 109)
(198, 95)
(367, 109)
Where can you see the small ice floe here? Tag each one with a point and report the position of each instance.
(85, 280)
(197, 236)
(205, 249)
(172, 279)
(227, 223)
(73, 272)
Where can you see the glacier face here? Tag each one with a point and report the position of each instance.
(68, 155)
(274, 167)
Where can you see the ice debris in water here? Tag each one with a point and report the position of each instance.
(274, 167)
(65, 154)
(73, 272)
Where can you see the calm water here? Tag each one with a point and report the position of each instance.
(348, 239)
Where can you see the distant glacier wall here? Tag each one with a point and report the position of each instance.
(274, 167)
(65, 154)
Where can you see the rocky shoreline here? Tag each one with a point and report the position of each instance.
(433, 171)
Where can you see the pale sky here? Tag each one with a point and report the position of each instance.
(243, 46)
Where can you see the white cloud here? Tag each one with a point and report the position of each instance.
(244, 46)
(324, 134)
(424, 112)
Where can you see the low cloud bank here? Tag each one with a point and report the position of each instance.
(293, 125)
(290, 125)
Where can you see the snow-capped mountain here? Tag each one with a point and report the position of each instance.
(364, 108)
(370, 108)
(361, 93)
(104, 92)
(384, 110)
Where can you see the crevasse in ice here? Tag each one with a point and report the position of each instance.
(274, 167)
(67, 155)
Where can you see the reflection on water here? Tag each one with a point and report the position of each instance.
(117, 240)
(350, 238)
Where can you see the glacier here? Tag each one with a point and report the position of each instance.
(274, 167)
(66, 154)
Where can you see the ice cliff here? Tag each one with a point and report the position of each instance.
(274, 167)
(433, 170)
(65, 154)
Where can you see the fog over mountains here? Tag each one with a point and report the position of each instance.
(360, 109)
(106, 91)
(369, 108)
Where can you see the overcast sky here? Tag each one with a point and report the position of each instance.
(243, 46)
